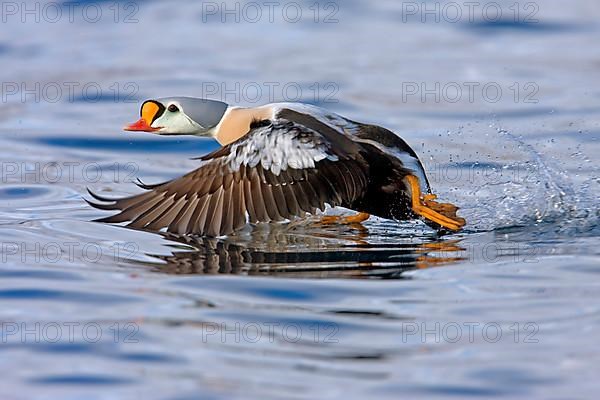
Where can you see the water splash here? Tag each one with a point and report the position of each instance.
(516, 186)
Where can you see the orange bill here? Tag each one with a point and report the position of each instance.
(149, 112)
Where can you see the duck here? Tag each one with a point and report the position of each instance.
(277, 162)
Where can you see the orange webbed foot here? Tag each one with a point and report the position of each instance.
(347, 220)
(424, 205)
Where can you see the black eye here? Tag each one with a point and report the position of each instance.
(173, 108)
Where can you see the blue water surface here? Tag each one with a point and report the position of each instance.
(507, 308)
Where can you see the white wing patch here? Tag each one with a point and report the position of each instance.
(278, 148)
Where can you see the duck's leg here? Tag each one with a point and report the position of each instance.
(340, 219)
(443, 214)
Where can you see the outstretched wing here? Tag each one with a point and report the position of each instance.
(279, 170)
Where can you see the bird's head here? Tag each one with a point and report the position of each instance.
(179, 116)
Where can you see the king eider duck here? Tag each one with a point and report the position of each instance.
(278, 162)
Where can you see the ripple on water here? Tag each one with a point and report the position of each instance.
(82, 379)
(32, 273)
(63, 295)
(12, 193)
(30, 202)
(524, 25)
(156, 145)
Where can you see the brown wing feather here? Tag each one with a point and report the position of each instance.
(219, 198)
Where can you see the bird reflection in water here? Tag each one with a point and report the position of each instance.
(305, 251)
